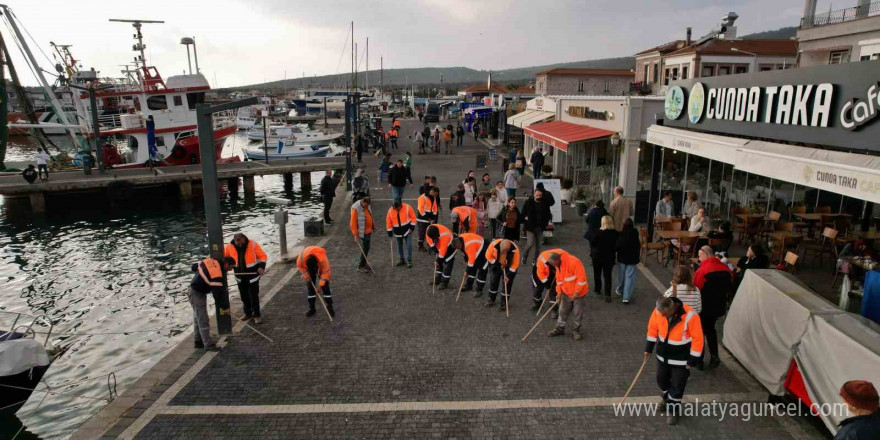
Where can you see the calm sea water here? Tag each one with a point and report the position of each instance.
(114, 282)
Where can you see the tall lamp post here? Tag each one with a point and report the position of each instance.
(754, 59)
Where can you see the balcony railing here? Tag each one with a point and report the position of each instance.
(842, 15)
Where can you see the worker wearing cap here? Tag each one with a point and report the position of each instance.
(503, 258)
(250, 263)
(464, 219)
(862, 401)
(544, 276)
(314, 266)
(473, 247)
(439, 239)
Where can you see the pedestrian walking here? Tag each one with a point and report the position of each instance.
(250, 264)
(470, 191)
(42, 158)
(674, 328)
(480, 206)
(421, 115)
(426, 134)
(603, 252)
(537, 160)
(439, 240)
(420, 141)
(593, 218)
(447, 139)
(475, 128)
(30, 174)
(511, 181)
(400, 222)
(520, 162)
(503, 258)
(360, 185)
(361, 225)
(459, 134)
(544, 277)
(494, 206)
(464, 219)
(473, 247)
(863, 403)
(398, 177)
(407, 161)
(393, 134)
(328, 192)
(384, 168)
(715, 281)
(509, 220)
(428, 205)
(629, 249)
(314, 266)
(621, 208)
(571, 288)
(437, 139)
(536, 216)
(682, 287)
(208, 279)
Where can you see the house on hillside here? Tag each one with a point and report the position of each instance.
(596, 82)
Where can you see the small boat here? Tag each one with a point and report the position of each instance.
(302, 134)
(287, 149)
(23, 362)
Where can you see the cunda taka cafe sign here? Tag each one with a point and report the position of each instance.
(834, 105)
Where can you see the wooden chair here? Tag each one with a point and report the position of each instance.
(686, 249)
(769, 224)
(657, 247)
(786, 245)
(791, 259)
(844, 226)
(672, 226)
(799, 226)
(738, 224)
(825, 246)
(823, 210)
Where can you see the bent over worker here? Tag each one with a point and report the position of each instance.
(250, 263)
(464, 219)
(503, 258)
(571, 288)
(473, 247)
(675, 329)
(439, 238)
(208, 279)
(361, 225)
(315, 269)
(429, 207)
(400, 222)
(544, 276)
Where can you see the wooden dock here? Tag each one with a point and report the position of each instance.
(182, 176)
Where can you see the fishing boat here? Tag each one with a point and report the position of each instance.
(286, 149)
(23, 360)
(301, 133)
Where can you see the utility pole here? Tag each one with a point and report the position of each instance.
(367, 75)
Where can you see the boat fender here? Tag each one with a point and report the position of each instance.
(178, 152)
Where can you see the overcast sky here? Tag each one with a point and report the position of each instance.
(249, 41)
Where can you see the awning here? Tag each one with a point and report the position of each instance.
(529, 117)
(852, 175)
(560, 133)
(827, 49)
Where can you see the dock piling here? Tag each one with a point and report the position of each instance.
(305, 179)
(185, 190)
(38, 202)
(248, 185)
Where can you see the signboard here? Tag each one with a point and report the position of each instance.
(835, 105)
(553, 186)
(588, 113)
(481, 161)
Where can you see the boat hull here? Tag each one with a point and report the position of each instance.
(259, 154)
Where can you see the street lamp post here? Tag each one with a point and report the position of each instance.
(754, 59)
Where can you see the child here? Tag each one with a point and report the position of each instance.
(480, 206)
(493, 208)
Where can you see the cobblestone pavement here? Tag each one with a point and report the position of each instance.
(393, 341)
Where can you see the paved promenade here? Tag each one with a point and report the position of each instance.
(401, 362)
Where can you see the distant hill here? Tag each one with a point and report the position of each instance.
(431, 75)
(781, 33)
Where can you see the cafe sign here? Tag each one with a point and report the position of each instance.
(834, 105)
(588, 113)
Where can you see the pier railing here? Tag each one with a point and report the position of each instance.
(842, 15)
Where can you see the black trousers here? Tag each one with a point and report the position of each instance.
(538, 287)
(328, 296)
(478, 272)
(496, 275)
(444, 267)
(360, 152)
(41, 169)
(328, 202)
(707, 320)
(365, 245)
(250, 295)
(601, 269)
(672, 380)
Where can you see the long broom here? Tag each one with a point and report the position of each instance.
(392, 251)
(506, 296)
(321, 298)
(544, 301)
(364, 254)
(434, 280)
(463, 278)
(539, 321)
(634, 380)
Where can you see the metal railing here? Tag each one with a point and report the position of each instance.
(842, 15)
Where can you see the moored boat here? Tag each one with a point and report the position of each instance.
(286, 149)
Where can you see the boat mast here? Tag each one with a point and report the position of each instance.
(38, 72)
(367, 74)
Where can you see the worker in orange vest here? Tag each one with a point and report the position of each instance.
(208, 279)
(395, 124)
(315, 269)
(503, 258)
(464, 219)
(571, 288)
(361, 225)
(544, 276)
(439, 239)
(429, 208)
(675, 329)
(400, 222)
(393, 134)
(250, 263)
(473, 247)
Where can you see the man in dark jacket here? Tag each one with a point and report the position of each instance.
(328, 192)
(628, 249)
(862, 400)
(457, 198)
(537, 160)
(548, 196)
(536, 216)
(715, 281)
(593, 218)
(360, 145)
(398, 176)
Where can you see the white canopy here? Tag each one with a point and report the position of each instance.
(529, 117)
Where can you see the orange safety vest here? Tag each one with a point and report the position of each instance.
(542, 267)
(473, 244)
(675, 344)
(467, 218)
(396, 124)
(401, 222)
(443, 241)
(214, 271)
(427, 206)
(392, 133)
(571, 279)
(253, 255)
(323, 264)
(361, 221)
(495, 249)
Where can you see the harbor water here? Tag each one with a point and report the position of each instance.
(114, 281)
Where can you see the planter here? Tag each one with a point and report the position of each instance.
(565, 195)
(581, 207)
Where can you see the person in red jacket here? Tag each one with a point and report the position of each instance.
(715, 281)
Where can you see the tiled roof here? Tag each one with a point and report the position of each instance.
(481, 88)
(665, 48)
(725, 47)
(595, 72)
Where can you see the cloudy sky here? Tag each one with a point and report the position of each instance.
(249, 41)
